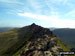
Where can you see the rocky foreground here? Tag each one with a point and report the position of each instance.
(42, 43)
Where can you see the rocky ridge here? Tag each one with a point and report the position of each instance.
(42, 43)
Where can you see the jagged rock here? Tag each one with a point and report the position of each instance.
(48, 53)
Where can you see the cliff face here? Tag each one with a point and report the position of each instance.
(41, 43)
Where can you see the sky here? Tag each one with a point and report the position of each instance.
(46, 13)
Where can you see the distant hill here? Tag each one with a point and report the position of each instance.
(66, 35)
(52, 28)
(4, 29)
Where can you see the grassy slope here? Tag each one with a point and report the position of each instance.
(20, 50)
(7, 40)
(62, 45)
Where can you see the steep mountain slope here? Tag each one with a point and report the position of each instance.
(29, 38)
(67, 36)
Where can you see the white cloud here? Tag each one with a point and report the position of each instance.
(35, 5)
(14, 11)
(40, 17)
(56, 2)
(55, 21)
(11, 2)
(64, 23)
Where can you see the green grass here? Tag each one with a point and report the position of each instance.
(62, 45)
(12, 42)
(7, 39)
(20, 50)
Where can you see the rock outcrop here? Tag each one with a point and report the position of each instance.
(41, 43)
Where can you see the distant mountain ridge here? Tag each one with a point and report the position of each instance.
(5, 29)
(67, 36)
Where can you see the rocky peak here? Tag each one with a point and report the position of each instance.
(35, 30)
(33, 24)
(39, 31)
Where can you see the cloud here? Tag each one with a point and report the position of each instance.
(14, 12)
(64, 23)
(56, 2)
(35, 5)
(71, 13)
(55, 21)
(40, 17)
(11, 2)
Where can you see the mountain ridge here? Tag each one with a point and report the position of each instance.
(14, 42)
(41, 42)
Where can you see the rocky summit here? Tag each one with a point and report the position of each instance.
(41, 43)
